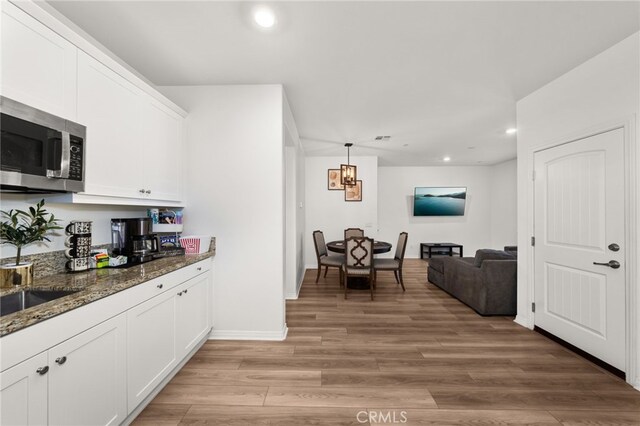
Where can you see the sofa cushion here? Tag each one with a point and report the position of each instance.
(437, 263)
(489, 254)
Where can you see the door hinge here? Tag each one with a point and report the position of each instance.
(533, 241)
(533, 306)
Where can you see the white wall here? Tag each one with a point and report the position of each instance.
(290, 285)
(294, 205)
(301, 215)
(100, 216)
(294, 221)
(504, 199)
(327, 211)
(235, 191)
(387, 206)
(596, 94)
(395, 194)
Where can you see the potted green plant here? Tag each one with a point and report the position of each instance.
(20, 228)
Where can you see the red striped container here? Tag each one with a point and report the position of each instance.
(195, 244)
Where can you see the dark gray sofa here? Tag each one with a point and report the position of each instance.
(486, 282)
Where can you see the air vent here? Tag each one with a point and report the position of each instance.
(382, 138)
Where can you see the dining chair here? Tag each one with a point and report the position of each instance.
(358, 261)
(353, 232)
(324, 258)
(394, 264)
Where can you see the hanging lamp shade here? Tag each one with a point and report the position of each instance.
(348, 172)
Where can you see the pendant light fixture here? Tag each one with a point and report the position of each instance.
(348, 171)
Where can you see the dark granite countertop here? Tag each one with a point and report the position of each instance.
(92, 285)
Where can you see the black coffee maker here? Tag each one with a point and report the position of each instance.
(133, 238)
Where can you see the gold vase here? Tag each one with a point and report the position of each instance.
(12, 275)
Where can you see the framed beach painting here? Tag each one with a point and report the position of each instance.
(333, 180)
(353, 192)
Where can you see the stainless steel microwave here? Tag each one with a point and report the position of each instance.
(39, 152)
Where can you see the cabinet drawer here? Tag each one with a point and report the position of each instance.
(152, 288)
(156, 286)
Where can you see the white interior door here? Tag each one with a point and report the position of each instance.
(579, 216)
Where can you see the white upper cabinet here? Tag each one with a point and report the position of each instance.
(110, 107)
(162, 140)
(38, 66)
(134, 135)
(134, 143)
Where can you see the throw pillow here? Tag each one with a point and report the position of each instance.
(490, 254)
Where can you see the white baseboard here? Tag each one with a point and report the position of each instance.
(294, 296)
(248, 335)
(522, 321)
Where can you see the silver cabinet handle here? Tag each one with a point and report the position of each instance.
(611, 264)
(180, 294)
(141, 191)
(160, 285)
(185, 292)
(199, 268)
(42, 370)
(148, 191)
(61, 360)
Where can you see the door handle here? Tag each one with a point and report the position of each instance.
(613, 247)
(611, 264)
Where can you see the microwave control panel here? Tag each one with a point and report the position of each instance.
(77, 157)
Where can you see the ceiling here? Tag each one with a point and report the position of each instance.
(440, 78)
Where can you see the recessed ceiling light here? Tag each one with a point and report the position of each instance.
(445, 159)
(511, 131)
(471, 147)
(264, 17)
(406, 144)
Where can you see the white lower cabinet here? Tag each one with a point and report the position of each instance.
(23, 392)
(78, 382)
(192, 319)
(102, 374)
(87, 377)
(151, 352)
(162, 331)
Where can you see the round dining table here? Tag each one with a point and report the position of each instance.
(378, 247)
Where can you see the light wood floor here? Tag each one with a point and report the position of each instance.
(419, 356)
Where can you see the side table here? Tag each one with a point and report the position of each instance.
(439, 248)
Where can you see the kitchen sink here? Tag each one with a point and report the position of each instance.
(28, 298)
